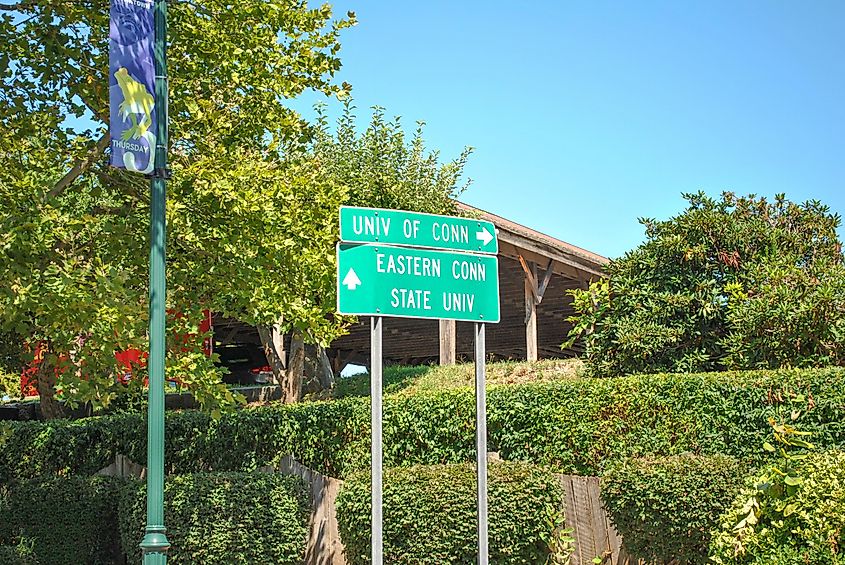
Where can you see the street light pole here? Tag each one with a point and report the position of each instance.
(155, 545)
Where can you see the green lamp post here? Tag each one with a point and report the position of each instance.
(155, 544)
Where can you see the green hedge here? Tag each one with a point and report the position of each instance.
(227, 518)
(577, 426)
(67, 520)
(210, 518)
(806, 527)
(664, 508)
(430, 514)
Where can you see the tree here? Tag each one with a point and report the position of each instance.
(379, 168)
(252, 202)
(73, 232)
(735, 282)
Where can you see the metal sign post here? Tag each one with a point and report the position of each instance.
(155, 544)
(381, 271)
(481, 439)
(376, 443)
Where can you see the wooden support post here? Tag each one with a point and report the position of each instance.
(447, 342)
(534, 291)
(531, 313)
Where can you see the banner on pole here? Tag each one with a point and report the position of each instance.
(132, 114)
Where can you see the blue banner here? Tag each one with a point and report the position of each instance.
(132, 85)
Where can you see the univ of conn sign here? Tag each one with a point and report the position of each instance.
(413, 265)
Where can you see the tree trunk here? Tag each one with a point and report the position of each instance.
(319, 374)
(292, 385)
(325, 373)
(46, 384)
(304, 369)
(272, 339)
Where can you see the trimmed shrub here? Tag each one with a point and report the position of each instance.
(430, 514)
(665, 508)
(67, 520)
(242, 518)
(801, 522)
(577, 426)
(323, 435)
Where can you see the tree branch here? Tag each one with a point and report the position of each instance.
(80, 166)
(134, 188)
(28, 4)
(23, 4)
(102, 115)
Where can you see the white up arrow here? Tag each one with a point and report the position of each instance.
(484, 235)
(351, 280)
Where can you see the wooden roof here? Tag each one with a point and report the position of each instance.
(515, 239)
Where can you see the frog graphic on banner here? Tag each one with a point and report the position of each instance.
(131, 85)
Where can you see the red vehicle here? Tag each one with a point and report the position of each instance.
(29, 375)
(126, 359)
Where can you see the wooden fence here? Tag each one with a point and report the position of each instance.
(594, 534)
(323, 546)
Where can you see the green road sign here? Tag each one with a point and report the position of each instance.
(386, 280)
(376, 225)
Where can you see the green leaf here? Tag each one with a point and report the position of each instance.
(793, 481)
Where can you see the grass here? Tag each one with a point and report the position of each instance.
(426, 378)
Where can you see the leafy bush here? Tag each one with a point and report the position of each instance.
(67, 520)
(430, 514)
(223, 518)
(577, 426)
(704, 288)
(790, 316)
(790, 518)
(665, 508)
(20, 554)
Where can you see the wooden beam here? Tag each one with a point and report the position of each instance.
(511, 251)
(525, 244)
(538, 288)
(448, 342)
(340, 361)
(531, 314)
(541, 290)
(530, 278)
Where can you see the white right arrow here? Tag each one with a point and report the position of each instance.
(484, 235)
(351, 280)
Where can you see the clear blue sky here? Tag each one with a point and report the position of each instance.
(587, 115)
